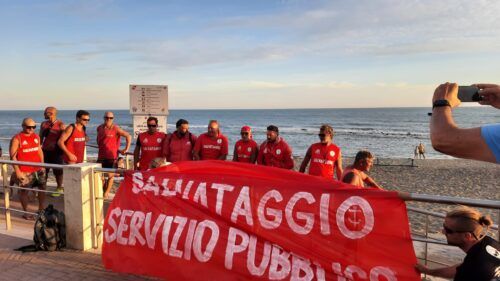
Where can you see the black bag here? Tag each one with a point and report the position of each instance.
(50, 231)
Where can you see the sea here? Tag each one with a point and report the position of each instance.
(386, 132)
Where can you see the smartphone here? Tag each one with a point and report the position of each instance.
(469, 94)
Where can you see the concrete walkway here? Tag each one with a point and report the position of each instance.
(60, 265)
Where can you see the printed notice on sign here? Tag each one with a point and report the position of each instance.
(149, 99)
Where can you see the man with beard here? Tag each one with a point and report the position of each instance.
(50, 131)
(466, 228)
(212, 145)
(246, 149)
(178, 146)
(274, 151)
(325, 157)
(149, 145)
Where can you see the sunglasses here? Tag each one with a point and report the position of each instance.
(244, 133)
(86, 120)
(321, 135)
(30, 127)
(109, 118)
(152, 126)
(451, 231)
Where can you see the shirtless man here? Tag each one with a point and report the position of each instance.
(355, 174)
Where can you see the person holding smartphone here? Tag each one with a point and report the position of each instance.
(480, 143)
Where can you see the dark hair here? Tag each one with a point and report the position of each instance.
(362, 154)
(181, 122)
(81, 113)
(327, 129)
(151, 118)
(273, 128)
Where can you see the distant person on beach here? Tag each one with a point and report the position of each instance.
(355, 174)
(325, 156)
(274, 151)
(212, 145)
(179, 145)
(149, 145)
(25, 146)
(415, 152)
(421, 151)
(50, 131)
(466, 228)
(480, 143)
(245, 149)
(108, 141)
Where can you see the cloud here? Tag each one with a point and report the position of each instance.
(299, 30)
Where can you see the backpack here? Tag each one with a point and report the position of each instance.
(50, 231)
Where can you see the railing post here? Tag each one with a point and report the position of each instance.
(78, 203)
(97, 209)
(6, 194)
(127, 159)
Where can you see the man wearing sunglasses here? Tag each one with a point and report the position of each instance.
(179, 145)
(50, 131)
(149, 145)
(274, 151)
(246, 149)
(25, 146)
(212, 145)
(466, 228)
(325, 157)
(108, 140)
(73, 139)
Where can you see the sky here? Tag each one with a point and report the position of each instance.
(244, 54)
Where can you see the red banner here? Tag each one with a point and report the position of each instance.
(215, 220)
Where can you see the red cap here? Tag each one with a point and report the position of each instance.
(246, 129)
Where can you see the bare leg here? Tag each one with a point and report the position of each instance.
(41, 198)
(108, 184)
(23, 197)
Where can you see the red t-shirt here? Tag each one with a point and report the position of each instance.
(28, 151)
(275, 154)
(108, 141)
(323, 158)
(76, 145)
(151, 147)
(244, 150)
(209, 148)
(177, 148)
(51, 133)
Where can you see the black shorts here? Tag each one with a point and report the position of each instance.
(107, 163)
(53, 157)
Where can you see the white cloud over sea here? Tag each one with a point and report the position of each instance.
(225, 51)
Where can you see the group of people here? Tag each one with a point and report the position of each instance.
(463, 227)
(324, 158)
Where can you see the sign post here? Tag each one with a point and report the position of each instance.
(147, 101)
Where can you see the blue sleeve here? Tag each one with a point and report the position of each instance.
(491, 135)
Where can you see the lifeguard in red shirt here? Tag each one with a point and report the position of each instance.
(212, 145)
(73, 139)
(25, 146)
(149, 145)
(246, 149)
(50, 132)
(274, 151)
(178, 146)
(325, 157)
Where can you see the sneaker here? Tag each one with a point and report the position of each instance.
(58, 193)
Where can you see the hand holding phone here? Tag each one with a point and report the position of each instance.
(469, 94)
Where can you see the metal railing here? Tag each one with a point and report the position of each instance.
(7, 187)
